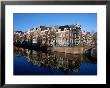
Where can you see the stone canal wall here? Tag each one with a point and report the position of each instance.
(72, 50)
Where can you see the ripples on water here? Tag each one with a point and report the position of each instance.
(31, 62)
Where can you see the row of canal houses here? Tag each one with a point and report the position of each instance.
(67, 35)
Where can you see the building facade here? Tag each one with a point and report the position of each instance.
(63, 36)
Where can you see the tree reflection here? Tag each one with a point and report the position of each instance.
(53, 60)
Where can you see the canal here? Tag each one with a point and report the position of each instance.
(31, 62)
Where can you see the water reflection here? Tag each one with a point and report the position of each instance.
(53, 60)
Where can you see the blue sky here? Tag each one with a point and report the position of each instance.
(25, 21)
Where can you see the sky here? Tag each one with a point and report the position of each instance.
(25, 21)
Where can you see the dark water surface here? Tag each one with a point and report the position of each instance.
(30, 62)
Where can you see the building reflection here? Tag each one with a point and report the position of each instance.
(53, 60)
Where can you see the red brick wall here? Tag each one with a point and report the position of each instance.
(73, 50)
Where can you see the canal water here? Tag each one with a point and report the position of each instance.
(31, 62)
